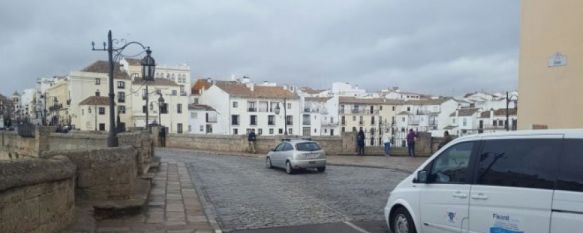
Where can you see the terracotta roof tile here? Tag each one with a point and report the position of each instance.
(103, 67)
(502, 112)
(156, 82)
(199, 85)
(465, 112)
(317, 99)
(200, 107)
(381, 101)
(95, 100)
(426, 101)
(311, 91)
(235, 88)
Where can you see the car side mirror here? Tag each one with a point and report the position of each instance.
(421, 177)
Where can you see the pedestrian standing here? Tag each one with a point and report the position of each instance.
(446, 139)
(387, 142)
(411, 137)
(251, 139)
(360, 141)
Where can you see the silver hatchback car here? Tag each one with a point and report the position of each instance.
(293, 154)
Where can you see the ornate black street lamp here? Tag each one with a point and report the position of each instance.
(277, 111)
(148, 66)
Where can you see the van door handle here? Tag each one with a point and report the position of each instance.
(480, 196)
(459, 194)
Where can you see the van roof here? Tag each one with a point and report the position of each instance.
(551, 133)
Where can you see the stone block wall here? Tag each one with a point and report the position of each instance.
(104, 173)
(36, 195)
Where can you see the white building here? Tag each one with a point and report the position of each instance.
(495, 120)
(203, 119)
(464, 121)
(347, 89)
(179, 74)
(242, 105)
(320, 116)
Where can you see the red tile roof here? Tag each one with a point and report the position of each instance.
(103, 67)
(237, 89)
(156, 82)
(95, 100)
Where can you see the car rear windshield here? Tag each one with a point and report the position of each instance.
(308, 146)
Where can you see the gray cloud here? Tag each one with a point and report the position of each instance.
(443, 47)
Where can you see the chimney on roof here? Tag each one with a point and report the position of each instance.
(250, 86)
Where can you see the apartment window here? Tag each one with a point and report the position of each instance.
(235, 104)
(361, 120)
(263, 106)
(121, 84)
(174, 93)
(394, 108)
(280, 131)
(209, 128)
(408, 109)
(97, 81)
(270, 131)
(201, 128)
(271, 120)
(343, 120)
(289, 106)
(179, 128)
(234, 119)
(353, 118)
(331, 132)
(259, 131)
(121, 97)
(121, 109)
(211, 117)
(343, 129)
(97, 93)
(89, 110)
(306, 119)
(253, 120)
(403, 119)
(193, 115)
(465, 122)
(372, 141)
(195, 101)
(289, 120)
(101, 127)
(178, 108)
(101, 110)
(289, 131)
(252, 106)
(235, 131)
(372, 120)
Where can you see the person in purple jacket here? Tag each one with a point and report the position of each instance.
(411, 142)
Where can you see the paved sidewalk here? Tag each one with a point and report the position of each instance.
(173, 207)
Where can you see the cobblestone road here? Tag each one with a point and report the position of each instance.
(242, 194)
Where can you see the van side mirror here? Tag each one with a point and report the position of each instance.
(421, 177)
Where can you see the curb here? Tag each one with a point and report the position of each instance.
(208, 209)
(369, 166)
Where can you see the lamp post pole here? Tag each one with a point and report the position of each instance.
(148, 66)
(285, 116)
(112, 137)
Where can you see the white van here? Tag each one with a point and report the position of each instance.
(518, 182)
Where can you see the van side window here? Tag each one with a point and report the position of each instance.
(570, 174)
(528, 163)
(451, 166)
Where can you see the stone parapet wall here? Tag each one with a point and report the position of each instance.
(104, 173)
(239, 143)
(36, 195)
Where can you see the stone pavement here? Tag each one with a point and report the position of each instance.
(173, 207)
(399, 163)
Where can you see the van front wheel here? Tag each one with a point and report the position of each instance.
(402, 222)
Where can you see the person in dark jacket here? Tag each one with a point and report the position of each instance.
(360, 142)
(446, 139)
(251, 139)
(411, 142)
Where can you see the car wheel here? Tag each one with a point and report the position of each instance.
(288, 168)
(321, 169)
(268, 163)
(402, 222)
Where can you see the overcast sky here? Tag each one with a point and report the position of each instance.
(443, 47)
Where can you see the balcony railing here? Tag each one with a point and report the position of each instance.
(252, 109)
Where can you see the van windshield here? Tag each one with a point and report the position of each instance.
(308, 146)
